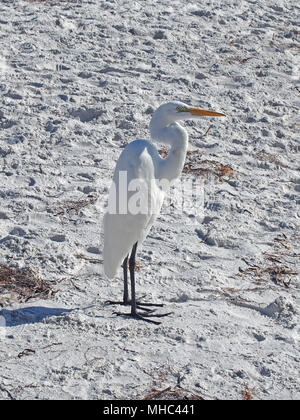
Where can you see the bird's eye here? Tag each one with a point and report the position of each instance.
(182, 109)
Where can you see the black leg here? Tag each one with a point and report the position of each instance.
(134, 303)
(126, 300)
(132, 278)
(125, 273)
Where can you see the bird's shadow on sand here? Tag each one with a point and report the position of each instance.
(30, 314)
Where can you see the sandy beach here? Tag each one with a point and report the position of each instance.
(79, 80)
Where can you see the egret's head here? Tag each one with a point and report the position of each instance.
(176, 111)
(171, 112)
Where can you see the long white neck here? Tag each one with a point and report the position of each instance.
(175, 136)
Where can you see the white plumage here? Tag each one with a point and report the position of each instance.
(140, 181)
(139, 162)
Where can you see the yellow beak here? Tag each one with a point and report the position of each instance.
(205, 113)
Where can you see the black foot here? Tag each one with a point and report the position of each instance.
(128, 303)
(116, 302)
(143, 317)
(139, 303)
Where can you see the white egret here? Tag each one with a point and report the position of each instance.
(139, 184)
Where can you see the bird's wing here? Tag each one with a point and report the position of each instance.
(130, 213)
(135, 201)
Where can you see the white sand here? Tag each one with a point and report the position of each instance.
(79, 80)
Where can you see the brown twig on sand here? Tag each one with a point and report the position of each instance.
(26, 352)
(208, 130)
(155, 393)
(209, 167)
(223, 171)
(269, 157)
(193, 152)
(24, 283)
(84, 257)
(283, 242)
(70, 206)
(241, 60)
(75, 285)
(275, 273)
(275, 265)
(10, 396)
(247, 396)
(171, 394)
